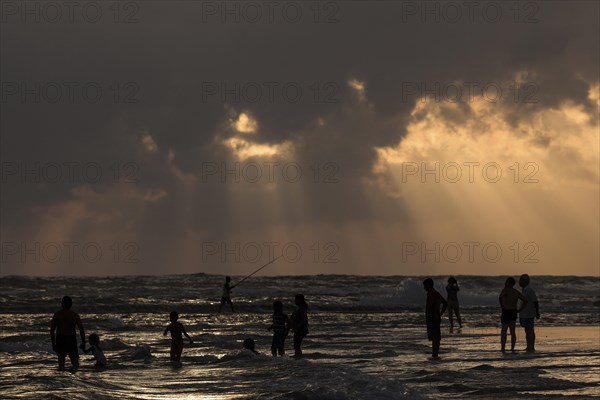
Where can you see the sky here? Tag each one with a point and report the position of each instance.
(350, 137)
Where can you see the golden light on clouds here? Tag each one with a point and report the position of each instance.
(149, 143)
(467, 174)
(358, 87)
(187, 178)
(245, 124)
(244, 149)
(485, 135)
(594, 93)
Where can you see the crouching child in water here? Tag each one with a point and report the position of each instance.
(279, 328)
(177, 331)
(250, 345)
(96, 351)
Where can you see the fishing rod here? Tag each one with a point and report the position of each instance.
(269, 263)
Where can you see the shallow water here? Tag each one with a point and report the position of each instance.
(367, 341)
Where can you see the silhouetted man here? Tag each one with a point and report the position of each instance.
(65, 341)
(530, 310)
(226, 298)
(433, 315)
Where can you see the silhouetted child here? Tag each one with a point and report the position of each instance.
(509, 298)
(250, 345)
(64, 343)
(528, 312)
(279, 328)
(452, 290)
(226, 297)
(97, 352)
(177, 331)
(433, 315)
(299, 323)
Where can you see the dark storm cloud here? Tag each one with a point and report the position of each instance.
(170, 55)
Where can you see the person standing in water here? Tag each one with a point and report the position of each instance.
(64, 342)
(226, 298)
(528, 311)
(433, 316)
(299, 323)
(509, 298)
(279, 328)
(452, 290)
(177, 331)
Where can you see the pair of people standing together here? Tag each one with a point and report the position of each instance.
(64, 338)
(298, 323)
(509, 298)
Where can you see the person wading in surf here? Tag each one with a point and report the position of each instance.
(226, 298)
(509, 298)
(528, 311)
(299, 323)
(452, 290)
(64, 342)
(433, 316)
(177, 331)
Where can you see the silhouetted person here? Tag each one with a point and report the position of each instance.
(226, 298)
(509, 298)
(452, 290)
(279, 328)
(97, 352)
(299, 323)
(250, 345)
(528, 312)
(177, 331)
(65, 341)
(433, 315)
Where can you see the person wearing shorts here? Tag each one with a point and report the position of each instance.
(509, 298)
(528, 312)
(177, 332)
(63, 334)
(280, 329)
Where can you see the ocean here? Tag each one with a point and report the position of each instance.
(367, 340)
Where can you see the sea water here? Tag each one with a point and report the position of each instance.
(367, 340)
